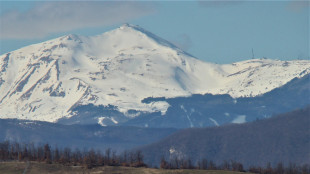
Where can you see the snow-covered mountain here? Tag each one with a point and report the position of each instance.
(122, 67)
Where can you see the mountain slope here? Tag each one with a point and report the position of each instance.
(121, 67)
(215, 110)
(284, 138)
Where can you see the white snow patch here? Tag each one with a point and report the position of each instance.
(100, 121)
(235, 101)
(214, 121)
(182, 107)
(188, 115)
(240, 119)
(113, 120)
(192, 110)
(172, 150)
(174, 153)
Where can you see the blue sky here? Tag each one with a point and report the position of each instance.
(214, 31)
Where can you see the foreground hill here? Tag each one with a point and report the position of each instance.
(120, 68)
(79, 136)
(284, 138)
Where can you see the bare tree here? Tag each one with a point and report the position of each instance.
(47, 154)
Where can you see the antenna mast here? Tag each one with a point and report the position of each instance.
(253, 54)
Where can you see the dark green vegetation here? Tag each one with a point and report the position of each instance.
(284, 138)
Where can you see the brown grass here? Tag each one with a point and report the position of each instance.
(39, 168)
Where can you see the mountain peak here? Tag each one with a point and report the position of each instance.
(122, 67)
(127, 27)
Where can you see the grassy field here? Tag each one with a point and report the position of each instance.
(39, 168)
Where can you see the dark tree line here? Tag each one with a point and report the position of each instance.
(13, 151)
(204, 164)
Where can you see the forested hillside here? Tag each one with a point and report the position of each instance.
(283, 138)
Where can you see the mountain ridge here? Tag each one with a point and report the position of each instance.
(122, 67)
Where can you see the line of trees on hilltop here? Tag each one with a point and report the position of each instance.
(204, 164)
(13, 151)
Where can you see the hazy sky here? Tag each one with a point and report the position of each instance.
(214, 31)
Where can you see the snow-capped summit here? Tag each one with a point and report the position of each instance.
(121, 67)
